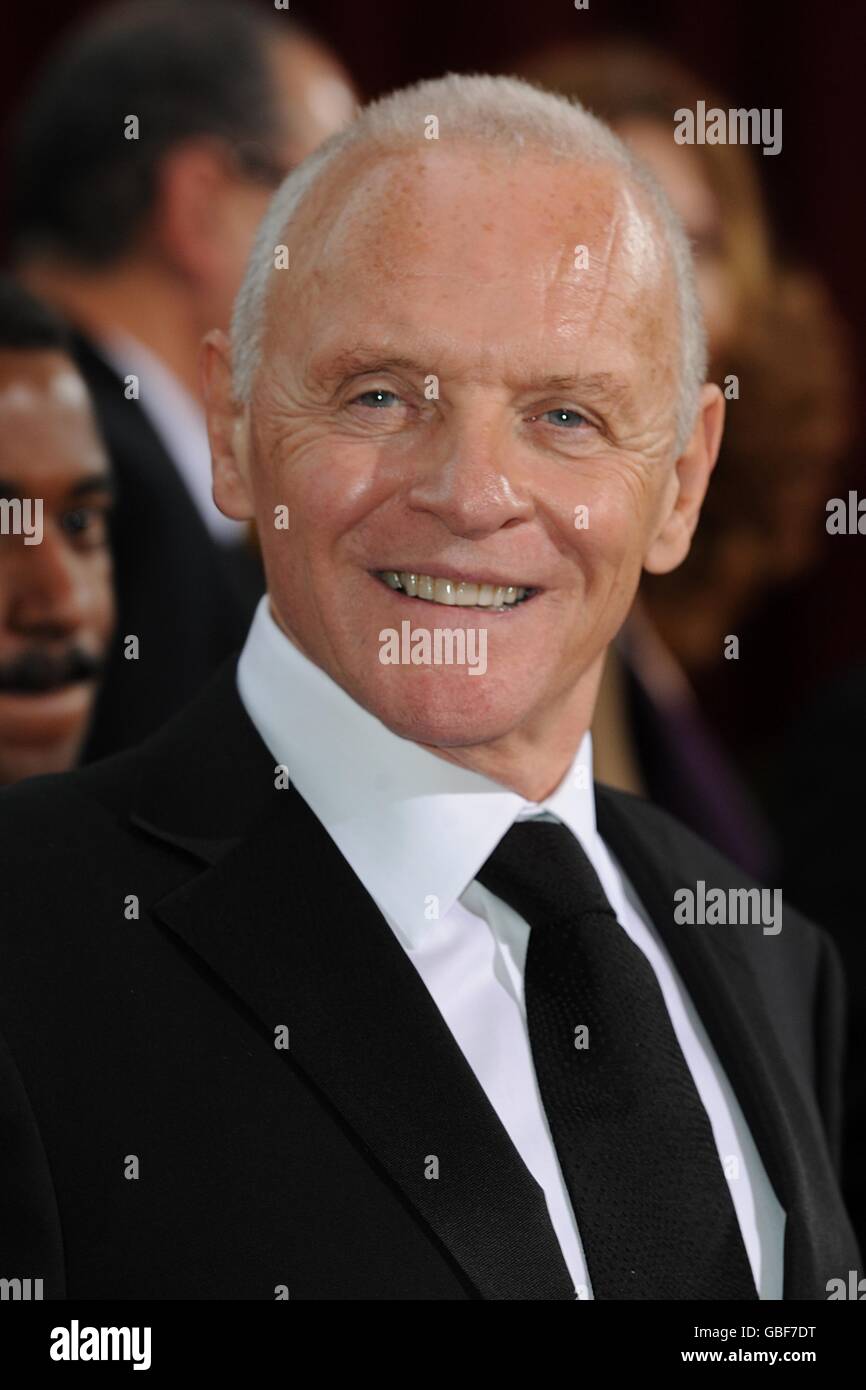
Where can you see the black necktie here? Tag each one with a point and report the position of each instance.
(635, 1146)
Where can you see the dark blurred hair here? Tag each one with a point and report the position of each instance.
(783, 447)
(26, 324)
(184, 68)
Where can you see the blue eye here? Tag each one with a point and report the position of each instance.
(569, 418)
(376, 399)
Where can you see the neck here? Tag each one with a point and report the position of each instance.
(134, 297)
(533, 759)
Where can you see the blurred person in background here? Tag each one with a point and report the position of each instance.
(56, 599)
(141, 166)
(774, 329)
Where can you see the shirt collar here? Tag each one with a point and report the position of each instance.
(166, 395)
(414, 828)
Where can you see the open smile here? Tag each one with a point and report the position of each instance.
(456, 593)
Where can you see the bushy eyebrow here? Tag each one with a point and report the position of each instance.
(97, 482)
(361, 360)
(358, 360)
(85, 487)
(595, 383)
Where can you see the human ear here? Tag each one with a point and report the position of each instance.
(226, 427)
(684, 495)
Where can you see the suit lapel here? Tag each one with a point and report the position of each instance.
(280, 917)
(721, 982)
(274, 910)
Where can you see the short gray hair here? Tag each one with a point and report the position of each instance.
(509, 113)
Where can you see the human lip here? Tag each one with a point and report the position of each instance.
(50, 685)
(36, 714)
(458, 591)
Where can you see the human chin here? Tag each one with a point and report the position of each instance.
(440, 672)
(442, 708)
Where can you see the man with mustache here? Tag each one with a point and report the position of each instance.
(56, 599)
(376, 995)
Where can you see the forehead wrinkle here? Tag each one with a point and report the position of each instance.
(601, 290)
(342, 197)
(634, 265)
(629, 248)
(345, 211)
(346, 205)
(626, 267)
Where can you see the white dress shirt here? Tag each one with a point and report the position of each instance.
(179, 421)
(416, 829)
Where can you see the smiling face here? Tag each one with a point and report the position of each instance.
(56, 600)
(457, 407)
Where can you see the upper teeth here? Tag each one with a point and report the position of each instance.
(454, 591)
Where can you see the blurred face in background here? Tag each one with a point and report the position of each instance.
(317, 95)
(56, 599)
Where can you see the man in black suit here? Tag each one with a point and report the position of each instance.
(370, 993)
(144, 159)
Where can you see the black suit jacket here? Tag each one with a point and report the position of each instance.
(186, 598)
(150, 1039)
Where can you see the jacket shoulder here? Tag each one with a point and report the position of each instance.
(42, 817)
(685, 855)
(796, 969)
